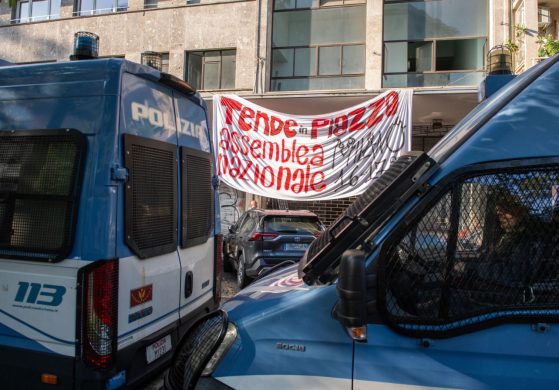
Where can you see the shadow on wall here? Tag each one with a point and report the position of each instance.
(22, 45)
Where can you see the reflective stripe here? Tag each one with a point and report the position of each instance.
(282, 382)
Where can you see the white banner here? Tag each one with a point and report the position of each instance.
(315, 157)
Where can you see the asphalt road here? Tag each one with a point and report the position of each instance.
(228, 289)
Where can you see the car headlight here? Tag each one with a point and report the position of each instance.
(228, 340)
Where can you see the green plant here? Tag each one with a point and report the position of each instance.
(548, 46)
(520, 30)
(511, 45)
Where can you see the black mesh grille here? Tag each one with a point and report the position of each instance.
(151, 211)
(197, 197)
(199, 347)
(487, 250)
(40, 176)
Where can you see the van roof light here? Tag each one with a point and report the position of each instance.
(86, 46)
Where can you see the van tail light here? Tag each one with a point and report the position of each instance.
(263, 236)
(99, 309)
(218, 267)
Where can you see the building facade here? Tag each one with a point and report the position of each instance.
(299, 56)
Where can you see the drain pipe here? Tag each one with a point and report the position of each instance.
(257, 50)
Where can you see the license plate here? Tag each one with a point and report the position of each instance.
(295, 247)
(158, 349)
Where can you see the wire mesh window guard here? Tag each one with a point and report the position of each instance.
(197, 197)
(151, 196)
(40, 179)
(486, 252)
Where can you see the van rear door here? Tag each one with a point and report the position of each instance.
(149, 275)
(197, 206)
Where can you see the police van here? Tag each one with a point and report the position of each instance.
(444, 274)
(109, 223)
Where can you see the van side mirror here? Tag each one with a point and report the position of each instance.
(351, 309)
(232, 229)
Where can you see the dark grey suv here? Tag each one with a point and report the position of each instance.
(262, 239)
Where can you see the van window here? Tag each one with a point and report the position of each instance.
(197, 197)
(486, 251)
(40, 178)
(151, 196)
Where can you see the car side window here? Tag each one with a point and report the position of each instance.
(249, 224)
(486, 251)
(240, 223)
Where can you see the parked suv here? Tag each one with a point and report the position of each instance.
(262, 239)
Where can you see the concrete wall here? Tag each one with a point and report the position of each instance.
(174, 30)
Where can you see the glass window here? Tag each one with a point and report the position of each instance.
(282, 62)
(430, 39)
(37, 10)
(353, 59)
(305, 61)
(489, 245)
(318, 48)
(319, 27)
(94, 7)
(460, 54)
(213, 69)
(329, 60)
(416, 20)
(194, 68)
(165, 62)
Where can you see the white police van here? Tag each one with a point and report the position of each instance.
(444, 274)
(109, 223)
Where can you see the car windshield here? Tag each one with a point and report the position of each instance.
(292, 225)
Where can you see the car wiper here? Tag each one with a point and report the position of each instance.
(403, 179)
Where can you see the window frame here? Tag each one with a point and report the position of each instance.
(343, 3)
(433, 41)
(316, 47)
(94, 11)
(17, 18)
(188, 53)
(422, 328)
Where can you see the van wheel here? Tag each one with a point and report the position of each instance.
(242, 278)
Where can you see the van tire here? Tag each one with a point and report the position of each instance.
(242, 278)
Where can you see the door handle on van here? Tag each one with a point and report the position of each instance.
(188, 284)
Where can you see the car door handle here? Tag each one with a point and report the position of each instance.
(188, 284)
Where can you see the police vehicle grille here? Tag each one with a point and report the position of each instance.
(40, 176)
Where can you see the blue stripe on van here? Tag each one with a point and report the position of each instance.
(11, 338)
(37, 330)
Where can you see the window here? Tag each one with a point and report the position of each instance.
(211, 69)
(486, 251)
(197, 197)
(40, 180)
(95, 7)
(434, 43)
(318, 45)
(157, 3)
(36, 10)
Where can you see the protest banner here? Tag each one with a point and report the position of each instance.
(318, 157)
